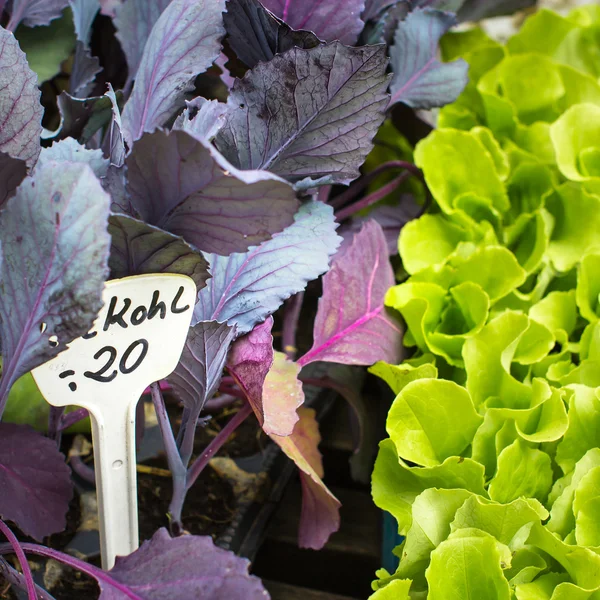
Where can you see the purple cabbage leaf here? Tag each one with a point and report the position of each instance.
(320, 515)
(84, 13)
(182, 184)
(12, 172)
(352, 326)
(85, 66)
(138, 249)
(268, 379)
(202, 118)
(69, 150)
(420, 79)
(331, 19)
(35, 481)
(257, 35)
(20, 108)
(34, 12)
(183, 43)
(134, 21)
(114, 138)
(198, 374)
(246, 288)
(308, 114)
(55, 251)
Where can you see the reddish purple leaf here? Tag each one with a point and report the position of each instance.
(20, 108)
(330, 20)
(352, 326)
(320, 516)
(202, 118)
(183, 185)
(181, 568)
(269, 380)
(35, 481)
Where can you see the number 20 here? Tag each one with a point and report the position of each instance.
(100, 375)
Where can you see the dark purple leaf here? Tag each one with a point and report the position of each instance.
(20, 108)
(35, 481)
(80, 118)
(246, 288)
(269, 380)
(320, 516)
(330, 20)
(352, 326)
(308, 113)
(257, 35)
(199, 371)
(114, 183)
(182, 184)
(139, 248)
(12, 172)
(183, 568)
(374, 8)
(184, 42)
(391, 218)
(55, 248)
(134, 21)
(83, 74)
(202, 118)
(84, 13)
(35, 12)
(70, 151)
(420, 79)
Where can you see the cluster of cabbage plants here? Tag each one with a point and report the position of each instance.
(492, 466)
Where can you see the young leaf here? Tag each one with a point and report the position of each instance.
(35, 481)
(320, 508)
(114, 138)
(69, 150)
(331, 20)
(420, 79)
(84, 13)
(181, 568)
(202, 118)
(134, 21)
(138, 248)
(256, 35)
(85, 69)
(182, 184)
(20, 108)
(308, 113)
(199, 371)
(247, 288)
(53, 277)
(183, 43)
(34, 12)
(12, 172)
(351, 326)
(249, 361)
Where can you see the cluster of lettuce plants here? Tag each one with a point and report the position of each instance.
(134, 164)
(492, 467)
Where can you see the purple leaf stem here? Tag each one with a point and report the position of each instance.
(232, 391)
(55, 417)
(371, 199)
(362, 183)
(74, 563)
(176, 465)
(220, 402)
(291, 316)
(14, 542)
(201, 462)
(82, 470)
(72, 418)
(14, 578)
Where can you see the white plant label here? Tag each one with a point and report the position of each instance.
(136, 340)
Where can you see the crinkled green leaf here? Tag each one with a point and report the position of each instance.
(432, 420)
(557, 311)
(395, 485)
(586, 507)
(469, 564)
(583, 432)
(399, 376)
(395, 590)
(588, 287)
(522, 471)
